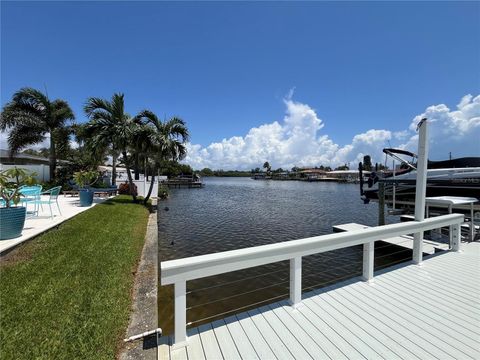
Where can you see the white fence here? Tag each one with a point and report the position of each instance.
(42, 171)
(179, 271)
(142, 186)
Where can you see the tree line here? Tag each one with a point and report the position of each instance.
(141, 141)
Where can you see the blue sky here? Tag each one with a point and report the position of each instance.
(228, 68)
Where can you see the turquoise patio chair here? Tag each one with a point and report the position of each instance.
(31, 195)
(53, 198)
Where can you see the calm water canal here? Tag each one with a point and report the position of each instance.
(234, 213)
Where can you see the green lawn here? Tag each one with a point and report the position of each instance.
(67, 294)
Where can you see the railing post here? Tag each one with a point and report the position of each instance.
(455, 237)
(295, 281)
(420, 188)
(180, 312)
(368, 261)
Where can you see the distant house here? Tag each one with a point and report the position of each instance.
(259, 176)
(33, 163)
(312, 173)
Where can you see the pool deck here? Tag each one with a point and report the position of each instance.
(36, 225)
(430, 311)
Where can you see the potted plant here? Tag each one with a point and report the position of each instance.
(84, 179)
(12, 216)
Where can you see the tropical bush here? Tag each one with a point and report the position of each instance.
(85, 178)
(124, 189)
(162, 192)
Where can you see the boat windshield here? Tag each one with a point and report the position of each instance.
(395, 154)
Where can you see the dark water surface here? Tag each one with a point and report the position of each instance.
(234, 213)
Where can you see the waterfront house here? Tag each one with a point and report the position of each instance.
(33, 163)
(312, 174)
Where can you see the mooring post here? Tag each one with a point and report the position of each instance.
(381, 203)
(295, 281)
(421, 188)
(180, 312)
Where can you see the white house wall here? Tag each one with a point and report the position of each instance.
(42, 171)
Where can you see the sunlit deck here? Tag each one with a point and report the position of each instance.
(408, 312)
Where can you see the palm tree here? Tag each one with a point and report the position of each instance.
(110, 127)
(267, 167)
(161, 141)
(31, 117)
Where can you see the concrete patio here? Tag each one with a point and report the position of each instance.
(35, 225)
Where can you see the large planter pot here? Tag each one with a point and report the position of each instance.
(86, 197)
(11, 222)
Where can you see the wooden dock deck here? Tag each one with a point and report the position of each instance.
(176, 184)
(430, 311)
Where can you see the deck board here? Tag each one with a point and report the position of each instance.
(243, 344)
(436, 310)
(269, 334)
(409, 312)
(425, 324)
(297, 331)
(284, 333)
(262, 348)
(210, 344)
(441, 303)
(225, 341)
(195, 348)
(327, 347)
(374, 340)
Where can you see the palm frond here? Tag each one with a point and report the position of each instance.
(31, 97)
(23, 135)
(93, 104)
(176, 127)
(61, 113)
(118, 106)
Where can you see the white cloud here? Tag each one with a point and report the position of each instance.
(3, 140)
(456, 131)
(401, 135)
(298, 140)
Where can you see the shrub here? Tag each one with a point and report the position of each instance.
(124, 189)
(100, 185)
(162, 192)
(85, 178)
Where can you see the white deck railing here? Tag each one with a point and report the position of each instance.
(178, 272)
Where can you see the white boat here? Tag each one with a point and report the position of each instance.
(456, 177)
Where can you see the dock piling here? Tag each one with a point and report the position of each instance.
(421, 188)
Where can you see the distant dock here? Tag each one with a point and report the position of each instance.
(183, 183)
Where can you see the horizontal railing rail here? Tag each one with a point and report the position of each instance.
(179, 271)
(196, 267)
